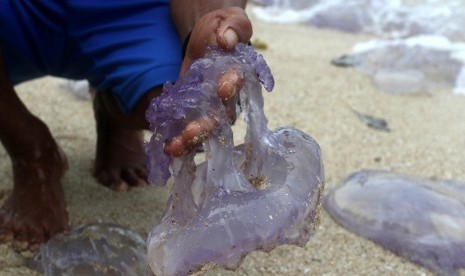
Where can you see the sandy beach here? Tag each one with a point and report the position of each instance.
(426, 140)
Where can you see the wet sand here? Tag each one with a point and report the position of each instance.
(426, 140)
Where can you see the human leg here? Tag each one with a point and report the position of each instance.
(119, 161)
(36, 209)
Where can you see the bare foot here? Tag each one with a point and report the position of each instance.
(120, 161)
(36, 210)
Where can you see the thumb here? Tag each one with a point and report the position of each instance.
(228, 39)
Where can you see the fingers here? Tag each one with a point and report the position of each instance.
(175, 147)
(192, 136)
(229, 85)
(225, 28)
(228, 40)
(234, 27)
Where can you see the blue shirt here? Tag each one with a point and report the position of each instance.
(126, 46)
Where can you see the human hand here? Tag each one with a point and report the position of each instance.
(225, 28)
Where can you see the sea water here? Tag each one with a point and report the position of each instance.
(419, 46)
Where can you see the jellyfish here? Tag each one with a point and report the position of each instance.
(253, 196)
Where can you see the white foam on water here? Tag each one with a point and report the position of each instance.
(279, 15)
(385, 18)
(421, 45)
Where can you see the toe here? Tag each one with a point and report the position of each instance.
(6, 235)
(132, 178)
(29, 237)
(119, 186)
(142, 174)
(6, 230)
(112, 180)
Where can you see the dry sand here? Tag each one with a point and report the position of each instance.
(427, 139)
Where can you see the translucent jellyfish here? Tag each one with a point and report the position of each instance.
(417, 64)
(418, 219)
(95, 249)
(345, 16)
(255, 196)
(403, 21)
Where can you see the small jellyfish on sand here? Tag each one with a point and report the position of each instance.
(94, 249)
(371, 121)
(254, 196)
(418, 219)
(417, 64)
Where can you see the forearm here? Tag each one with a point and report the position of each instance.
(186, 12)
